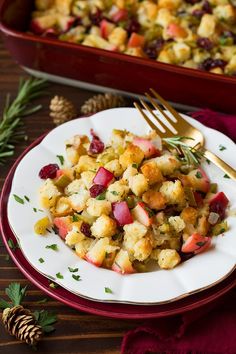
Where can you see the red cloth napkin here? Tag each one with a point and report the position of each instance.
(209, 330)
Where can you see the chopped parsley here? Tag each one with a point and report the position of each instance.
(35, 210)
(18, 199)
(101, 196)
(149, 211)
(53, 247)
(226, 176)
(76, 277)
(198, 174)
(61, 159)
(108, 291)
(222, 230)
(200, 244)
(41, 260)
(12, 245)
(75, 218)
(135, 165)
(73, 270)
(222, 148)
(26, 198)
(208, 161)
(114, 193)
(59, 276)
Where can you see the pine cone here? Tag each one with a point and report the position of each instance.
(100, 102)
(21, 323)
(62, 110)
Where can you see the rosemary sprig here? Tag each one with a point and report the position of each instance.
(14, 110)
(188, 154)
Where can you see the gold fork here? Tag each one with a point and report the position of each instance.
(174, 125)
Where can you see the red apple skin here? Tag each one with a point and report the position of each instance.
(191, 245)
(147, 146)
(64, 225)
(36, 28)
(106, 28)
(136, 40)
(122, 213)
(90, 260)
(205, 247)
(218, 204)
(119, 270)
(176, 31)
(120, 15)
(141, 215)
(103, 177)
(202, 183)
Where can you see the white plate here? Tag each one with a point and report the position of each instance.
(159, 286)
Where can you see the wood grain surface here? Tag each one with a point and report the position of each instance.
(76, 332)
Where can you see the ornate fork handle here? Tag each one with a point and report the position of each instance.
(221, 164)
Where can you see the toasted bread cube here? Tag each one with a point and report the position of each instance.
(168, 259)
(173, 192)
(225, 13)
(169, 4)
(135, 230)
(43, 4)
(104, 226)
(48, 194)
(82, 247)
(115, 167)
(207, 26)
(189, 215)
(75, 148)
(130, 172)
(143, 249)
(152, 172)
(98, 207)
(138, 184)
(182, 51)
(177, 223)
(87, 163)
(75, 187)
(63, 6)
(62, 207)
(117, 191)
(87, 178)
(164, 17)
(97, 251)
(132, 155)
(167, 164)
(74, 236)
(154, 199)
(203, 226)
(118, 36)
(118, 137)
(78, 201)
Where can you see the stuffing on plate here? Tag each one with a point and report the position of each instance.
(132, 203)
(199, 34)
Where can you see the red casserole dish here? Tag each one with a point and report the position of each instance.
(91, 66)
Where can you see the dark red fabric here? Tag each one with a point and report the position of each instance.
(208, 330)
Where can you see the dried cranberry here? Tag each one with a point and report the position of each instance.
(154, 47)
(96, 17)
(205, 43)
(206, 7)
(96, 189)
(198, 13)
(85, 229)
(49, 171)
(210, 63)
(192, 2)
(132, 26)
(96, 146)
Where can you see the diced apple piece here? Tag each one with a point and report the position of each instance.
(97, 253)
(218, 204)
(62, 180)
(147, 146)
(120, 15)
(122, 263)
(196, 243)
(103, 177)
(64, 225)
(65, 22)
(136, 40)
(176, 31)
(40, 24)
(141, 214)
(122, 213)
(199, 180)
(106, 28)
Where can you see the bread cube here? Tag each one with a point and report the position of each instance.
(154, 199)
(118, 36)
(138, 184)
(168, 259)
(87, 178)
(225, 13)
(129, 172)
(189, 215)
(104, 226)
(75, 187)
(74, 236)
(62, 207)
(98, 207)
(122, 263)
(203, 226)
(182, 51)
(142, 249)
(173, 192)
(167, 164)
(207, 26)
(164, 17)
(86, 163)
(63, 6)
(78, 200)
(135, 230)
(115, 167)
(97, 251)
(82, 247)
(48, 194)
(75, 148)
(132, 155)
(177, 223)
(117, 191)
(169, 4)
(152, 172)
(118, 138)
(166, 55)
(42, 5)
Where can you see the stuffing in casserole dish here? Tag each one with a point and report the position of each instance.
(132, 203)
(190, 33)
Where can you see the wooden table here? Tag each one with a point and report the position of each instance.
(76, 332)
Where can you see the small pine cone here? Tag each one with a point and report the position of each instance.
(100, 102)
(62, 110)
(21, 323)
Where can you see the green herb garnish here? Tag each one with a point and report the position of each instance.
(101, 196)
(114, 193)
(59, 276)
(61, 159)
(41, 260)
(226, 176)
(14, 110)
(108, 290)
(75, 218)
(135, 165)
(12, 245)
(200, 244)
(15, 294)
(73, 270)
(35, 210)
(45, 320)
(53, 247)
(222, 148)
(76, 277)
(198, 174)
(42, 301)
(18, 199)
(27, 198)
